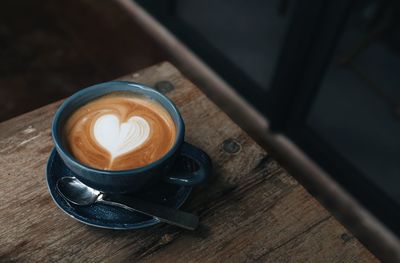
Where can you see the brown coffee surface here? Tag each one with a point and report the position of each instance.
(80, 140)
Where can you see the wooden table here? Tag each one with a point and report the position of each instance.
(252, 209)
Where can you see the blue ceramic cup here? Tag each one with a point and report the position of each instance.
(130, 181)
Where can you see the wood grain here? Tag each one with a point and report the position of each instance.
(251, 210)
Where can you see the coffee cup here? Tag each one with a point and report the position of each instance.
(138, 178)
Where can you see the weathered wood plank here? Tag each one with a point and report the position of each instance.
(251, 210)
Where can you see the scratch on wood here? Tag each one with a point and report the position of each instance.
(28, 140)
(28, 130)
(11, 147)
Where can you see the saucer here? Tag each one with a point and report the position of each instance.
(106, 216)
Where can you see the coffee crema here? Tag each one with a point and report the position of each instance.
(119, 131)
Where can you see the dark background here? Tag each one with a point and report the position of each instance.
(49, 49)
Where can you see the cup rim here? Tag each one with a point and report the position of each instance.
(180, 127)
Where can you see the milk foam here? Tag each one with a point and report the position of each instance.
(119, 131)
(120, 138)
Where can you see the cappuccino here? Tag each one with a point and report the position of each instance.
(119, 131)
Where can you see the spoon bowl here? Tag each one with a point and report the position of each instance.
(76, 192)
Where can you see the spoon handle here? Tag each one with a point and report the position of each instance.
(165, 214)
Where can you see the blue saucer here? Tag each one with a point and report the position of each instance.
(104, 216)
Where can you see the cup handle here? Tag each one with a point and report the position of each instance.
(192, 167)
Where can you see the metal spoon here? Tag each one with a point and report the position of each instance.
(78, 193)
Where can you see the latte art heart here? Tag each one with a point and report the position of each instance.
(120, 138)
(119, 131)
